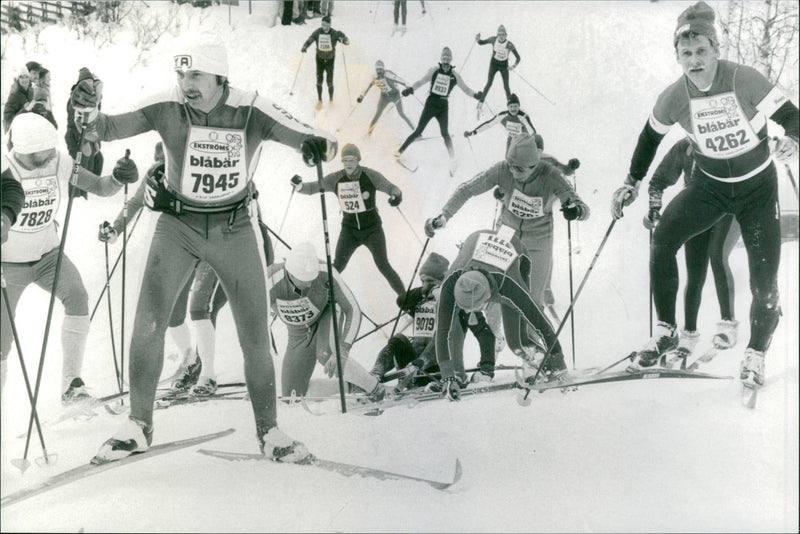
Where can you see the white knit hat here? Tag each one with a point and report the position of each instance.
(205, 56)
(30, 132)
(302, 262)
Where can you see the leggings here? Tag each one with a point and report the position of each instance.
(715, 244)
(375, 240)
(495, 67)
(386, 99)
(398, 6)
(325, 68)
(754, 203)
(435, 108)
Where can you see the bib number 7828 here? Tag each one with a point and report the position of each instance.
(210, 183)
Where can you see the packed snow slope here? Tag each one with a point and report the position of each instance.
(668, 455)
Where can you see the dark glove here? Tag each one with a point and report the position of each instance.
(77, 192)
(469, 133)
(498, 193)
(574, 164)
(573, 211)
(303, 50)
(395, 200)
(315, 150)
(433, 224)
(107, 233)
(451, 389)
(297, 182)
(84, 96)
(125, 171)
(479, 96)
(407, 91)
(654, 213)
(360, 99)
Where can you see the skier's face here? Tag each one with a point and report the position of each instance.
(698, 57)
(24, 80)
(201, 89)
(299, 284)
(350, 164)
(513, 109)
(522, 173)
(501, 36)
(326, 27)
(36, 160)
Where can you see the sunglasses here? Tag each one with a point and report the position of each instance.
(517, 168)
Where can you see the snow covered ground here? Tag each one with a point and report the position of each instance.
(668, 455)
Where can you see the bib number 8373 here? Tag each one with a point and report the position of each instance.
(210, 184)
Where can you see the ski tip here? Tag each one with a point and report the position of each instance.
(459, 471)
(749, 397)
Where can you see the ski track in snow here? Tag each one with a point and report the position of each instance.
(666, 455)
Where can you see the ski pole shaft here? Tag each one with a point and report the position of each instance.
(572, 304)
(409, 224)
(286, 212)
(347, 79)
(650, 301)
(346, 118)
(279, 238)
(464, 65)
(375, 16)
(791, 179)
(111, 322)
(408, 289)
(378, 327)
(532, 87)
(571, 293)
(291, 91)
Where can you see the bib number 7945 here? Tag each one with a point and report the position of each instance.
(210, 183)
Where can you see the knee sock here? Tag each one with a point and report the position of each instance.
(182, 338)
(355, 373)
(206, 347)
(74, 331)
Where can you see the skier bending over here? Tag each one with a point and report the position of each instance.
(386, 81)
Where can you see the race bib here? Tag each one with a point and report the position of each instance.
(381, 84)
(495, 251)
(42, 198)
(297, 312)
(324, 42)
(525, 207)
(350, 198)
(720, 127)
(513, 128)
(501, 50)
(441, 84)
(214, 165)
(425, 319)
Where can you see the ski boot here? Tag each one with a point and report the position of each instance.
(380, 392)
(752, 369)
(480, 377)
(664, 340)
(277, 446)
(187, 380)
(688, 341)
(133, 437)
(76, 393)
(204, 388)
(726, 337)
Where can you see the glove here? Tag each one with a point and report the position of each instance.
(407, 91)
(360, 99)
(84, 100)
(574, 210)
(451, 389)
(514, 66)
(624, 196)
(107, 233)
(469, 133)
(478, 36)
(479, 96)
(654, 213)
(330, 365)
(785, 148)
(433, 224)
(316, 150)
(395, 200)
(574, 164)
(125, 171)
(498, 193)
(297, 182)
(303, 50)
(5, 226)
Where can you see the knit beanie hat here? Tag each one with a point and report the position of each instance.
(326, 18)
(523, 151)
(472, 291)
(379, 65)
(351, 150)
(302, 262)
(22, 70)
(446, 52)
(206, 56)
(698, 19)
(513, 99)
(435, 266)
(501, 29)
(30, 132)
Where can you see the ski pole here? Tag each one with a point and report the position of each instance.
(628, 357)
(577, 226)
(22, 464)
(409, 224)
(532, 87)
(464, 65)
(113, 269)
(331, 295)
(346, 118)
(60, 256)
(285, 213)
(572, 304)
(285, 244)
(791, 178)
(651, 291)
(124, 273)
(347, 79)
(410, 283)
(474, 155)
(111, 323)
(378, 327)
(291, 91)
(571, 293)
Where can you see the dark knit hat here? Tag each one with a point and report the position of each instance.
(351, 150)
(698, 19)
(472, 291)
(326, 18)
(513, 99)
(85, 74)
(435, 266)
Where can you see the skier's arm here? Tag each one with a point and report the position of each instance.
(392, 77)
(482, 182)
(788, 117)
(276, 124)
(12, 197)
(485, 125)
(527, 119)
(371, 83)
(464, 87)
(645, 151)
(312, 38)
(670, 168)
(425, 79)
(381, 183)
(513, 50)
(343, 38)
(328, 183)
(350, 310)
(135, 203)
(488, 40)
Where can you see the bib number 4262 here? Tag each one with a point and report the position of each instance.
(727, 142)
(211, 183)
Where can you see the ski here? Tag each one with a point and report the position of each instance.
(749, 395)
(180, 400)
(621, 376)
(89, 469)
(706, 357)
(408, 165)
(339, 467)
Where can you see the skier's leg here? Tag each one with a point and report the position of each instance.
(18, 276)
(424, 119)
(486, 340)
(329, 76)
(204, 292)
(178, 326)
(298, 361)
(441, 117)
(696, 255)
(382, 103)
(376, 243)
(724, 235)
(345, 247)
(490, 79)
(504, 75)
(354, 372)
(396, 12)
(320, 71)
(399, 107)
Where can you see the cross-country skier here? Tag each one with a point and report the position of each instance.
(492, 268)
(400, 9)
(386, 81)
(514, 120)
(418, 353)
(714, 245)
(528, 186)
(355, 187)
(442, 78)
(211, 133)
(501, 47)
(299, 295)
(325, 38)
(31, 252)
(723, 106)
